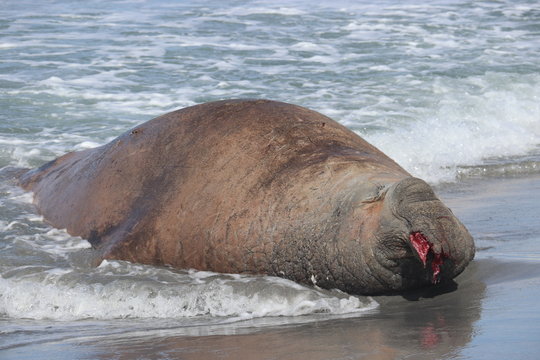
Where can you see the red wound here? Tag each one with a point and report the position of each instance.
(423, 247)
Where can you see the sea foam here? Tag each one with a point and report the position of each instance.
(123, 290)
(499, 118)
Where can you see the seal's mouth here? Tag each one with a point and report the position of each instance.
(425, 250)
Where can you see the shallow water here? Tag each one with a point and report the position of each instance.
(448, 89)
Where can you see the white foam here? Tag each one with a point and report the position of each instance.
(88, 89)
(6, 45)
(313, 47)
(134, 292)
(100, 80)
(270, 10)
(24, 197)
(12, 141)
(466, 128)
(87, 145)
(380, 68)
(58, 241)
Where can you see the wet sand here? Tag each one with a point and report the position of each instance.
(491, 311)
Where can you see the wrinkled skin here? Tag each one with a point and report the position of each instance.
(255, 186)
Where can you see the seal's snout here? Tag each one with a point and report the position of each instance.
(437, 239)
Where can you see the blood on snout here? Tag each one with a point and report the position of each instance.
(423, 247)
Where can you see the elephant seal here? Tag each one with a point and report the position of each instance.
(255, 186)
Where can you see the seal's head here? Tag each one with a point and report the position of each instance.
(418, 240)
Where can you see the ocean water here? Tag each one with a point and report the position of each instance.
(449, 89)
